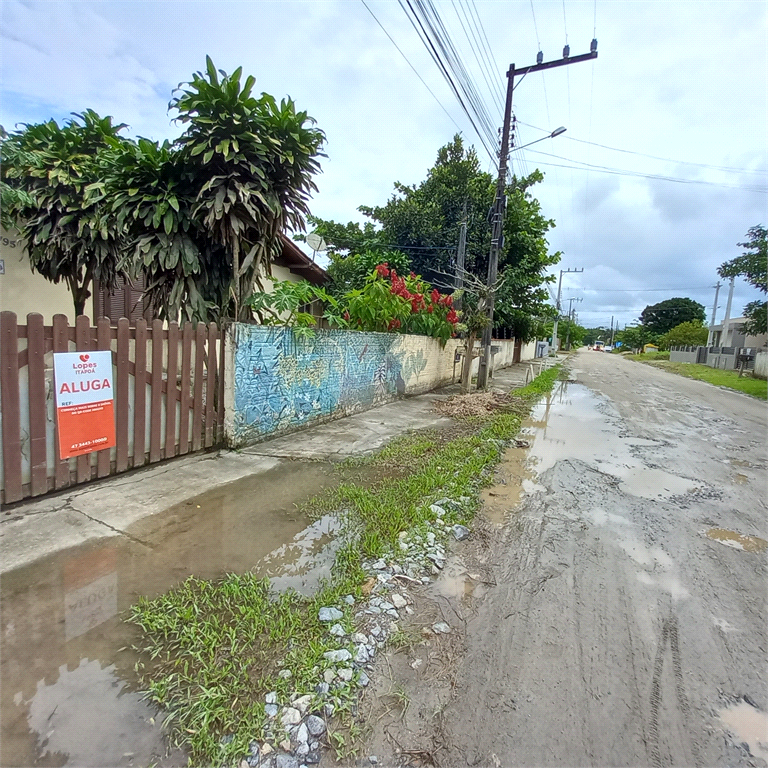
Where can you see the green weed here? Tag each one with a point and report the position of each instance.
(212, 650)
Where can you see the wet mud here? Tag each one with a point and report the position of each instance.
(67, 682)
(596, 617)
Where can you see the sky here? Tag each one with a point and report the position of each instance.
(676, 98)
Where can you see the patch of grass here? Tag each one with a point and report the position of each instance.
(727, 379)
(213, 650)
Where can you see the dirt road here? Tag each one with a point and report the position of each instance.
(618, 614)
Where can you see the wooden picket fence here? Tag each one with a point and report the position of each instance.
(179, 367)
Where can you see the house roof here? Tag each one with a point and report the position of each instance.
(294, 259)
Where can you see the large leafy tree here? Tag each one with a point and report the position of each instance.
(692, 334)
(49, 173)
(424, 220)
(752, 265)
(664, 316)
(252, 162)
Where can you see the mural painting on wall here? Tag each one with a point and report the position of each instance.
(282, 381)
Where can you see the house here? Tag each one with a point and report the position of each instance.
(23, 291)
(734, 335)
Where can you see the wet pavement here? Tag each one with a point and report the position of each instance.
(66, 673)
(616, 613)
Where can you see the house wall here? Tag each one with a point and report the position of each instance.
(23, 291)
(761, 365)
(276, 382)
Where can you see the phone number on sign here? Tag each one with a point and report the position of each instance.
(86, 443)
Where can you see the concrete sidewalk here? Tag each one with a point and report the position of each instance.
(110, 507)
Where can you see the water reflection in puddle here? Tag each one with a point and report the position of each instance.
(66, 693)
(737, 540)
(749, 725)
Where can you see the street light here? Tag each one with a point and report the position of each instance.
(557, 132)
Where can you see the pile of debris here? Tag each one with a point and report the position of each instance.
(475, 404)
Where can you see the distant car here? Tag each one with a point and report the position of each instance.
(599, 346)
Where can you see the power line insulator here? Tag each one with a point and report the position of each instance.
(540, 57)
(566, 51)
(593, 45)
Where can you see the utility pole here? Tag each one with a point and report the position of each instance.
(726, 319)
(557, 307)
(571, 319)
(500, 203)
(714, 314)
(460, 254)
(612, 330)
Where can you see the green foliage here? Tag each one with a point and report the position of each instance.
(425, 219)
(349, 272)
(53, 190)
(591, 335)
(666, 315)
(252, 162)
(636, 337)
(692, 334)
(752, 265)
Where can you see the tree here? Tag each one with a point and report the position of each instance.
(352, 271)
(636, 336)
(691, 334)
(662, 317)
(424, 220)
(68, 231)
(592, 335)
(752, 265)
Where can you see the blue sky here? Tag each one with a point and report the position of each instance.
(682, 81)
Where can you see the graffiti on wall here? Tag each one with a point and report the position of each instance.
(282, 381)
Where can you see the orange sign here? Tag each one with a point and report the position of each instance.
(85, 409)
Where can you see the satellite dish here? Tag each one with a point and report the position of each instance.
(315, 242)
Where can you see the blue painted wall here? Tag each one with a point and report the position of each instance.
(282, 382)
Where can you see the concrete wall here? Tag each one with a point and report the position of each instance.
(684, 355)
(761, 365)
(277, 382)
(23, 291)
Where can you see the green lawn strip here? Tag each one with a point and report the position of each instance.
(212, 650)
(720, 378)
(645, 357)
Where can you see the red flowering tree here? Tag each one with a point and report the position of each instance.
(389, 302)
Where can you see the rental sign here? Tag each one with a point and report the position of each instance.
(85, 410)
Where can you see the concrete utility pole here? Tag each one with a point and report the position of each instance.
(613, 330)
(571, 319)
(714, 313)
(460, 254)
(724, 335)
(500, 203)
(557, 304)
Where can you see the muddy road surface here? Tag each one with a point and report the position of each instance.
(615, 611)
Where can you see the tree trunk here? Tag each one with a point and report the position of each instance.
(466, 368)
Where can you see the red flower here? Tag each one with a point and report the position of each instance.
(430, 309)
(449, 301)
(393, 324)
(346, 315)
(383, 270)
(435, 296)
(413, 275)
(452, 317)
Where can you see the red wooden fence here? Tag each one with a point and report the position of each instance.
(185, 367)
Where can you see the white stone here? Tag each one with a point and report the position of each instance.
(359, 637)
(290, 716)
(335, 656)
(441, 628)
(361, 654)
(337, 630)
(284, 674)
(271, 710)
(302, 735)
(302, 749)
(345, 674)
(435, 509)
(271, 697)
(266, 749)
(329, 675)
(379, 565)
(363, 679)
(302, 703)
(330, 614)
(349, 599)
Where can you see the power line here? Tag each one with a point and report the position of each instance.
(638, 174)
(653, 157)
(410, 65)
(638, 290)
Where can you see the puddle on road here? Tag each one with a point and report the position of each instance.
(455, 581)
(67, 695)
(737, 540)
(749, 725)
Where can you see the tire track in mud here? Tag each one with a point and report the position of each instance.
(669, 638)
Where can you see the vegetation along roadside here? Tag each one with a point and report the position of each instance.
(244, 672)
(727, 379)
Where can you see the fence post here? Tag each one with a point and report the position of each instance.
(104, 344)
(186, 373)
(210, 384)
(122, 395)
(140, 394)
(197, 415)
(156, 409)
(38, 460)
(83, 342)
(171, 390)
(60, 344)
(9, 382)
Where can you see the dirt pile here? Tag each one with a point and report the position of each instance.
(476, 404)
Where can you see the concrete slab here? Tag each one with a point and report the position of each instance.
(109, 507)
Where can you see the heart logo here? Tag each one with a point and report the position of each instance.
(84, 358)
